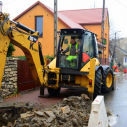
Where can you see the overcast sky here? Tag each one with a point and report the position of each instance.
(117, 9)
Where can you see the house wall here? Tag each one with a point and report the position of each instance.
(125, 61)
(97, 29)
(120, 58)
(47, 41)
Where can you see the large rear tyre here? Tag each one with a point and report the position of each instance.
(54, 92)
(107, 80)
(97, 86)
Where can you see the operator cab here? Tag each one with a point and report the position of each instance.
(85, 45)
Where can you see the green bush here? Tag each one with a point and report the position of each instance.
(50, 57)
(11, 49)
(21, 57)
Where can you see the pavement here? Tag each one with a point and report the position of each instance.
(32, 98)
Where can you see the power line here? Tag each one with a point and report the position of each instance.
(121, 4)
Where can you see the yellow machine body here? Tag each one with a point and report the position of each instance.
(44, 74)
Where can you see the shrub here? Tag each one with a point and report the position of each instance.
(50, 57)
(21, 57)
(11, 49)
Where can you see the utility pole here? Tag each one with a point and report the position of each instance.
(114, 48)
(0, 6)
(113, 58)
(102, 28)
(55, 27)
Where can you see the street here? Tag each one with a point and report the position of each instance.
(116, 101)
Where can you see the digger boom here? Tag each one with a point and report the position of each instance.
(24, 38)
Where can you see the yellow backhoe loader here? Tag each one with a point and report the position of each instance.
(85, 72)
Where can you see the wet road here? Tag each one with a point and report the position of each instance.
(116, 101)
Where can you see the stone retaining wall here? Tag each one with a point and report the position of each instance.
(9, 81)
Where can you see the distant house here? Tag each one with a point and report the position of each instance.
(120, 55)
(39, 17)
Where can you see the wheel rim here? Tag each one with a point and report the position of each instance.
(109, 80)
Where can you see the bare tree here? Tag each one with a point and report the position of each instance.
(113, 30)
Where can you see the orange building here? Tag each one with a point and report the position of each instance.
(41, 18)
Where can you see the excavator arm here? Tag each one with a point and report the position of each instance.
(27, 40)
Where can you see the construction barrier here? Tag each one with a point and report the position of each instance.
(98, 115)
(125, 70)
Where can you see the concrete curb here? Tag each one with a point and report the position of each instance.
(98, 115)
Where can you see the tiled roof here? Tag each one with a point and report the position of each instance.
(85, 16)
(121, 50)
(111, 48)
(67, 21)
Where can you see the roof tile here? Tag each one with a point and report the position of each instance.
(85, 16)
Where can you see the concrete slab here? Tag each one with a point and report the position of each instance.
(98, 115)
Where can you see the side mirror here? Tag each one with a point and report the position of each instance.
(99, 52)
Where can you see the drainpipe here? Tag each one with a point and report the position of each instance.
(55, 27)
(103, 55)
(102, 27)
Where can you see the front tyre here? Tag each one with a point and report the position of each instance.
(54, 92)
(97, 87)
(107, 80)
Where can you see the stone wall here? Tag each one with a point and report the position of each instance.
(9, 81)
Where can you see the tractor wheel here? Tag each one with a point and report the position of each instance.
(97, 86)
(54, 92)
(107, 80)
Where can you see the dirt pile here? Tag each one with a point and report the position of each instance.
(11, 113)
(73, 111)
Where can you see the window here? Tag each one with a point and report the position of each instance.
(87, 50)
(88, 45)
(65, 60)
(39, 25)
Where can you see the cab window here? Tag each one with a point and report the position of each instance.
(88, 50)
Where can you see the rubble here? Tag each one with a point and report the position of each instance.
(73, 111)
(109, 113)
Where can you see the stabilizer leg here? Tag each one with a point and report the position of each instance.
(42, 90)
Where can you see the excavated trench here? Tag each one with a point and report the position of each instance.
(73, 111)
(11, 113)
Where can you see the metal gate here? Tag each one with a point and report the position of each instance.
(24, 77)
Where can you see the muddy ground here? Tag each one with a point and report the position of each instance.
(72, 111)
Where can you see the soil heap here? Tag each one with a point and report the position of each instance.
(73, 111)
